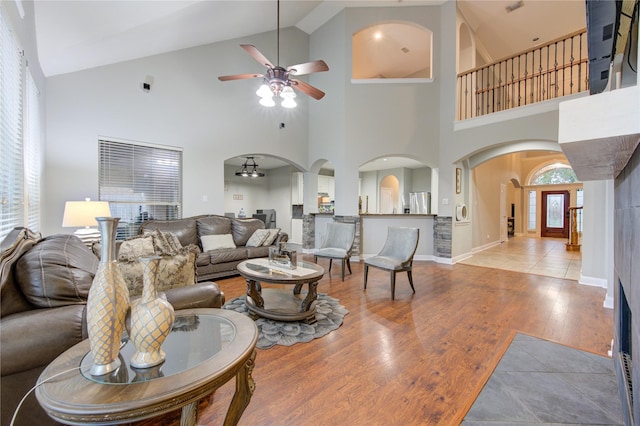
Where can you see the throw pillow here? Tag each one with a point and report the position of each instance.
(273, 234)
(165, 242)
(216, 242)
(257, 238)
(136, 247)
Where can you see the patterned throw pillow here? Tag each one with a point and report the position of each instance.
(257, 238)
(136, 247)
(216, 242)
(273, 234)
(165, 242)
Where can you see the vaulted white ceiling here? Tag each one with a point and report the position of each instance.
(79, 34)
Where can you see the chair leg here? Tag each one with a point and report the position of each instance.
(393, 285)
(411, 280)
(315, 259)
(330, 262)
(366, 273)
(349, 265)
(343, 262)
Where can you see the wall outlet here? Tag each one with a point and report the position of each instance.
(445, 201)
(205, 198)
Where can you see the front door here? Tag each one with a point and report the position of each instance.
(555, 214)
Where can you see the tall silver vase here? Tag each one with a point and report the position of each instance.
(152, 318)
(107, 304)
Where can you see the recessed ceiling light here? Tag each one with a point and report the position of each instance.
(536, 38)
(405, 50)
(377, 35)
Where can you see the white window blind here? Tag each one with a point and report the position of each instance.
(32, 154)
(11, 147)
(141, 182)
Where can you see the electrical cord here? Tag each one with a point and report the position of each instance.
(15, 413)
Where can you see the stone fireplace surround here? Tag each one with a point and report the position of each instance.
(626, 350)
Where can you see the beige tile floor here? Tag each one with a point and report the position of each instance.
(540, 256)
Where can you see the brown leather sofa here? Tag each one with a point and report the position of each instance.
(216, 263)
(44, 284)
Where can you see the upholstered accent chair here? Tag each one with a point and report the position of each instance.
(396, 255)
(337, 244)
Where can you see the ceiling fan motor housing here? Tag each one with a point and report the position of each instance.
(277, 79)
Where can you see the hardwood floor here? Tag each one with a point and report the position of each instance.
(421, 359)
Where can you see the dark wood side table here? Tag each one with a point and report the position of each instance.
(205, 349)
(276, 303)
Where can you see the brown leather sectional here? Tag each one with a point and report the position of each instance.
(215, 263)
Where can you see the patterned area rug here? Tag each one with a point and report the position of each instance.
(329, 316)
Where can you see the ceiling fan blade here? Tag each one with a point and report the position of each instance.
(308, 89)
(308, 68)
(238, 76)
(255, 53)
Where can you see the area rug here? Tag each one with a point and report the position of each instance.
(329, 316)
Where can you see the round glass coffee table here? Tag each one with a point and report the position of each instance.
(205, 349)
(278, 303)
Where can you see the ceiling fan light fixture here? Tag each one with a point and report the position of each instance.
(267, 101)
(288, 103)
(264, 91)
(287, 93)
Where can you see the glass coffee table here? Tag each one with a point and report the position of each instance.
(280, 303)
(205, 349)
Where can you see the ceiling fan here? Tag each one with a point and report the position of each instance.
(277, 80)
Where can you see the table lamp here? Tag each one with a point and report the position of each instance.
(82, 214)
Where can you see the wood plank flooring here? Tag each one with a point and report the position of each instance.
(421, 359)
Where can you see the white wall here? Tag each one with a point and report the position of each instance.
(186, 107)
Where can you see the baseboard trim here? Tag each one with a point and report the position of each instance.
(592, 281)
(608, 302)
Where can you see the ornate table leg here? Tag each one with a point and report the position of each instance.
(245, 386)
(312, 295)
(253, 291)
(189, 414)
(297, 288)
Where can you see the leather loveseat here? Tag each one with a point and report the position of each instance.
(44, 284)
(244, 241)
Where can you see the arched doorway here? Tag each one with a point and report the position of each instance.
(389, 187)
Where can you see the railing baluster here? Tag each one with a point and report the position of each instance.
(489, 88)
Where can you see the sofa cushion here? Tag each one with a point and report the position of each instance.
(15, 244)
(57, 271)
(254, 252)
(213, 225)
(230, 255)
(273, 234)
(257, 238)
(217, 242)
(242, 229)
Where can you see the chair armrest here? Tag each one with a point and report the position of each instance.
(201, 295)
(35, 338)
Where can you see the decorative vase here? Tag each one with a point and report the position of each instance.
(151, 319)
(107, 304)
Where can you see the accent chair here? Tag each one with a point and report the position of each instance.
(396, 255)
(337, 244)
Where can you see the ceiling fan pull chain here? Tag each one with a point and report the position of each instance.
(278, 37)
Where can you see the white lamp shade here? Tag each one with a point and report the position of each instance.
(83, 213)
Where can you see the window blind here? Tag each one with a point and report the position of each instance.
(141, 182)
(11, 147)
(32, 154)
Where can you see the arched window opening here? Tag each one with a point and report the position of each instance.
(554, 174)
(392, 50)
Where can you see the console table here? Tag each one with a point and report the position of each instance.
(205, 349)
